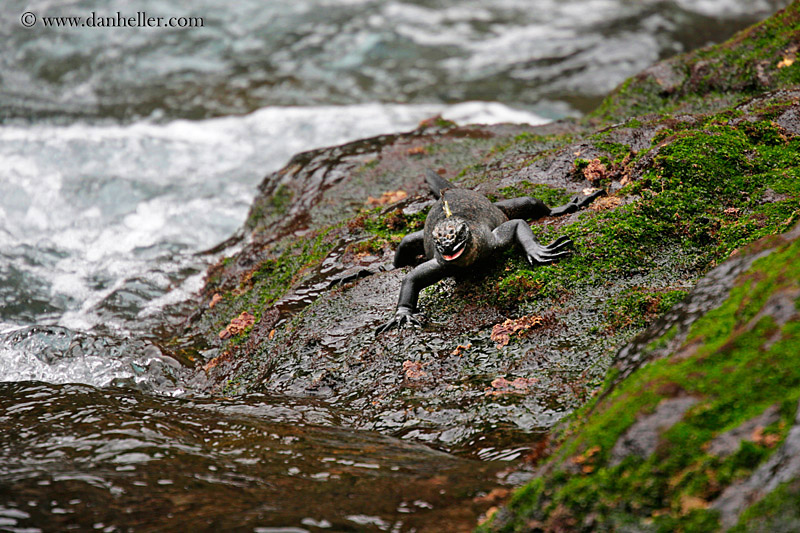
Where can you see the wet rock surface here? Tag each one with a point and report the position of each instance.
(707, 294)
(312, 275)
(701, 212)
(705, 438)
(728, 442)
(696, 426)
(643, 436)
(315, 337)
(783, 466)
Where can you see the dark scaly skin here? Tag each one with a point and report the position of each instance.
(474, 230)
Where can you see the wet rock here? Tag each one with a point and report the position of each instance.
(324, 313)
(728, 442)
(559, 169)
(312, 277)
(739, 356)
(783, 466)
(643, 436)
(790, 120)
(707, 294)
(669, 75)
(310, 271)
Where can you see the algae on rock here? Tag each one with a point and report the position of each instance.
(685, 192)
(649, 454)
(697, 426)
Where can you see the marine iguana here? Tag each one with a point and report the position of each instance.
(464, 228)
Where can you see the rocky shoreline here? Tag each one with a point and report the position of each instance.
(699, 156)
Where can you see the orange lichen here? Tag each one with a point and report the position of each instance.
(586, 459)
(501, 333)
(413, 370)
(768, 440)
(595, 171)
(604, 203)
(389, 197)
(459, 350)
(237, 325)
(225, 356)
(501, 386)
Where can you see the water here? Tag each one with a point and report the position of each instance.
(551, 56)
(123, 461)
(127, 155)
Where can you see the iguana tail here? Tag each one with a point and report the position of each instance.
(437, 183)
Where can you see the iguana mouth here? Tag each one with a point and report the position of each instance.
(455, 255)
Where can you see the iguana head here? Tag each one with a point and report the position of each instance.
(450, 236)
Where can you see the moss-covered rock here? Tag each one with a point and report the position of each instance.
(685, 193)
(649, 453)
(758, 59)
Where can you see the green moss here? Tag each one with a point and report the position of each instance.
(521, 284)
(618, 151)
(735, 377)
(661, 342)
(272, 206)
(529, 141)
(695, 521)
(273, 277)
(527, 137)
(684, 196)
(552, 196)
(268, 281)
(634, 97)
(745, 300)
(372, 245)
(393, 224)
(281, 199)
(232, 386)
(437, 122)
(713, 77)
(638, 307)
(372, 163)
(258, 213)
(778, 511)
(701, 198)
(739, 465)
(661, 136)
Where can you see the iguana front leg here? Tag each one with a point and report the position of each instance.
(422, 276)
(519, 231)
(412, 246)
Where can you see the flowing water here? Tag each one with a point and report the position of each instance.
(124, 460)
(128, 154)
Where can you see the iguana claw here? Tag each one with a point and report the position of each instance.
(402, 317)
(554, 251)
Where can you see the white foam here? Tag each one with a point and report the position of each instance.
(489, 113)
(23, 365)
(729, 8)
(90, 210)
